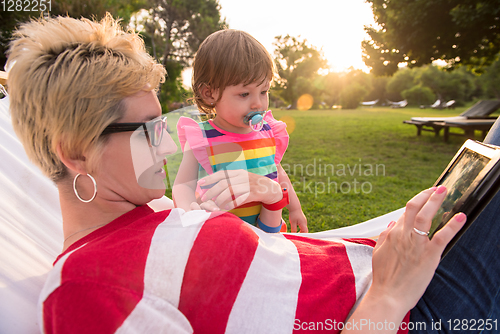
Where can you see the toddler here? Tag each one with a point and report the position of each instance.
(232, 73)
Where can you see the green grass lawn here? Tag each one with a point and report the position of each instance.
(348, 166)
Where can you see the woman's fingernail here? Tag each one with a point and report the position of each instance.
(433, 188)
(391, 224)
(201, 181)
(440, 189)
(460, 217)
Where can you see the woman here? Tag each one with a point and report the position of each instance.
(83, 104)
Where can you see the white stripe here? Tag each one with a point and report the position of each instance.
(267, 300)
(169, 252)
(51, 284)
(154, 315)
(360, 257)
(157, 311)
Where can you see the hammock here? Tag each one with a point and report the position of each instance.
(31, 230)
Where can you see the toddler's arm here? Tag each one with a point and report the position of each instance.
(296, 216)
(184, 189)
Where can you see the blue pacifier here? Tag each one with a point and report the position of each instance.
(255, 120)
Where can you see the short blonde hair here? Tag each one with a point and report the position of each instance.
(67, 81)
(226, 58)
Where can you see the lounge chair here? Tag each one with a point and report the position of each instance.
(369, 103)
(474, 118)
(449, 105)
(436, 104)
(31, 231)
(400, 104)
(440, 105)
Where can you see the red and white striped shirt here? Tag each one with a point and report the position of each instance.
(176, 272)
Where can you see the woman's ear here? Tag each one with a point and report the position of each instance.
(75, 164)
(209, 95)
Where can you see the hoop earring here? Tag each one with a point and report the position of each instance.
(76, 191)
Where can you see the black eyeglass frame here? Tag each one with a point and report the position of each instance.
(126, 127)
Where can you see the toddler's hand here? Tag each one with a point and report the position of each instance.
(207, 206)
(297, 218)
(194, 206)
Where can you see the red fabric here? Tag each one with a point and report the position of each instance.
(87, 267)
(327, 280)
(69, 310)
(102, 281)
(362, 241)
(214, 274)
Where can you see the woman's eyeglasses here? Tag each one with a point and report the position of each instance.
(153, 129)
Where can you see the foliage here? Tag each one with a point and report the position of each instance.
(298, 64)
(379, 89)
(352, 95)
(490, 80)
(174, 29)
(182, 25)
(457, 85)
(172, 88)
(402, 80)
(418, 32)
(419, 95)
(347, 88)
(97, 9)
(332, 84)
(8, 22)
(77, 9)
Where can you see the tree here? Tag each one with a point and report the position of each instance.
(8, 22)
(176, 29)
(352, 95)
(402, 80)
(355, 86)
(419, 95)
(379, 89)
(298, 64)
(458, 85)
(346, 88)
(490, 80)
(419, 32)
(332, 85)
(77, 9)
(97, 9)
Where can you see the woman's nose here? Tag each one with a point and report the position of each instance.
(167, 145)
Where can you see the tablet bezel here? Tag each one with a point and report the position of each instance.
(483, 187)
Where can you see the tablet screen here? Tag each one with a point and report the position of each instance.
(460, 181)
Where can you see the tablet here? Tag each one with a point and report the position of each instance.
(472, 179)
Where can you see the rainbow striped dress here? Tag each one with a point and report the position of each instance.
(216, 149)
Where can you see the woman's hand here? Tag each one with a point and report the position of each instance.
(232, 188)
(404, 261)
